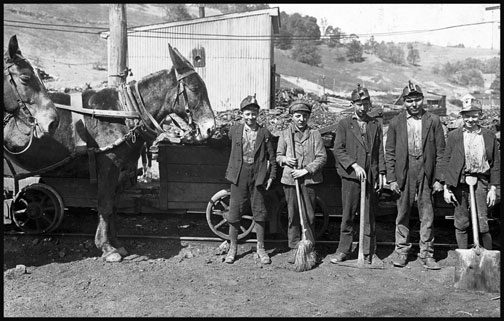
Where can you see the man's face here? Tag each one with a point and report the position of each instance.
(361, 107)
(471, 119)
(413, 104)
(250, 116)
(300, 118)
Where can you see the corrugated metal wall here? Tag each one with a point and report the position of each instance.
(235, 66)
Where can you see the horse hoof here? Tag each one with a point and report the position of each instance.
(112, 257)
(122, 251)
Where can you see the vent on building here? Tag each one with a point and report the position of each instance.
(198, 55)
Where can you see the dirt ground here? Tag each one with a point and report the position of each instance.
(54, 276)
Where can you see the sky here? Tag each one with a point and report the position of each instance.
(384, 18)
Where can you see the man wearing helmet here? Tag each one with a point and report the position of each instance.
(415, 144)
(471, 151)
(358, 151)
(251, 150)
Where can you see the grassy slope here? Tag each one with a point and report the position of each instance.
(70, 56)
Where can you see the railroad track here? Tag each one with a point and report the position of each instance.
(199, 239)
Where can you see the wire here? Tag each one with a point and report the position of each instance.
(53, 25)
(227, 37)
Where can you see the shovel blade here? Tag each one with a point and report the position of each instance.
(478, 270)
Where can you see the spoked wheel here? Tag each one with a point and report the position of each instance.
(37, 209)
(321, 218)
(217, 212)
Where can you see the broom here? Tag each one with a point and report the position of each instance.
(306, 258)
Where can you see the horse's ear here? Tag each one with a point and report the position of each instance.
(13, 48)
(180, 63)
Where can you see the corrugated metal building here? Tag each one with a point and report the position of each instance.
(233, 53)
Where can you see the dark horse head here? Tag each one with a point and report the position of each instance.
(28, 111)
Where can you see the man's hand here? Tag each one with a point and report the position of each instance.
(491, 196)
(359, 171)
(437, 187)
(394, 186)
(298, 173)
(291, 162)
(449, 197)
(268, 183)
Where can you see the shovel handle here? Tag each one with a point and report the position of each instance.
(360, 257)
(471, 181)
(298, 193)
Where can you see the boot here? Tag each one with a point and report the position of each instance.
(261, 252)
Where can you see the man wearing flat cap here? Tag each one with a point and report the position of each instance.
(358, 152)
(301, 153)
(415, 144)
(470, 151)
(251, 150)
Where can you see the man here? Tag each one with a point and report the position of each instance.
(470, 151)
(304, 164)
(251, 150)
(358, 151)
(415, 144)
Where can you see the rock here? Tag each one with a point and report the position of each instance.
(35, 241)
(131, 257)
(61, 253)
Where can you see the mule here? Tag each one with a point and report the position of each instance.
(29, 113)
(115, 143)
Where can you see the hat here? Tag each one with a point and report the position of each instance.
(412, 90)
(299, 105)
(360, 93)
(249, 101)
(472, 105)
(467, 99)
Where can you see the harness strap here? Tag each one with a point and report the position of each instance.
(92, 166)
(143, 111)
(100, 113)
(76, 100)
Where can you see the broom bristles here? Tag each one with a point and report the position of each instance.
(306, 258)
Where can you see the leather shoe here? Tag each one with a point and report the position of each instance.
(291, 256)
(231, 255)
(263, 256)
(400, 260)
(430, 263)
(338, 257)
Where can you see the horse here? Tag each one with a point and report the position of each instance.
(29, 113)
(112, 143)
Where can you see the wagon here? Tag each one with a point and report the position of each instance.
(191, 181)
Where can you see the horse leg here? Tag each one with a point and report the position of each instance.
(113, 232)
(107, 181)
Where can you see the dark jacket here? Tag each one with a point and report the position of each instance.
(263, 152)
(349, 148)
(396, 147)
(452, 164)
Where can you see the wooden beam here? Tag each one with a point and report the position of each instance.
(118, 44)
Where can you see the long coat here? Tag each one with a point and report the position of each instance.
(309, 150)
(349, 148)
(263, 152)
(452, 164)
(396, 147)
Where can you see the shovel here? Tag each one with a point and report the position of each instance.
(360, 257)
(478, 269)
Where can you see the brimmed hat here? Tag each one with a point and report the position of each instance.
(299, 105)
(249, 101)
(412, 90)
(360, 94)
(472, 105)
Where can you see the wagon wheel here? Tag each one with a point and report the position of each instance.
(37, 209)
(321, 217)
(217, 212)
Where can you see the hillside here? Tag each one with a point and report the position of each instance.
(70, 57)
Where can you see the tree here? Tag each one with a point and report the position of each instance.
(371, 45)
(306, 52)
(413, 55)
(355, 51)
(176, 12)
(334, 35)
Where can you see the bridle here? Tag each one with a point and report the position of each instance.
(154, 129)
(21, 108)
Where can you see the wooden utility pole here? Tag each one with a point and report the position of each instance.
(118, 45)
(492, 9)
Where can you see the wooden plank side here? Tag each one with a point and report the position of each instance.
(76, 192)
(196, 173)
(190, 192)
(194, 154)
